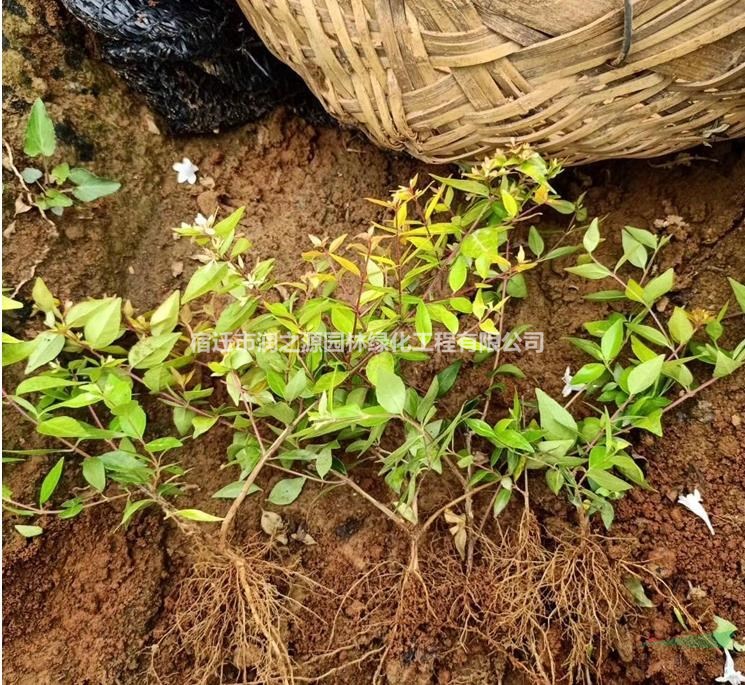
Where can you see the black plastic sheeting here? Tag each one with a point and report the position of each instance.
(198, 63)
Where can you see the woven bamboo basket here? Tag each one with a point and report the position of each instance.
(582, 80)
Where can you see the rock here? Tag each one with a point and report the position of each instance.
(207, 202)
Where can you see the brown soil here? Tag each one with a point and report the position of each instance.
(86, 602)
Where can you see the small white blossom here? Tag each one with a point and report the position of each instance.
(694, 503)
(731, 676)
(186, 171)
(568, 387)
(200, 220)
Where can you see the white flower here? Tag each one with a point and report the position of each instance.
(730, 676)
(693, 503)
(201, 221)
(568, 387)
(186, 171)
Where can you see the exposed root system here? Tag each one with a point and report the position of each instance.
(549, 605)
(585, 591)
(229, 622)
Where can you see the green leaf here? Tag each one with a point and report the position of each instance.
(81, 312)
(506, 437)
(165, 317)
(509, 370)
(286, 491)
(447, 377)
(102, 328)
(28, 531)
(590, 271)
(472, 187)
(535, 242)
(509, 202)
(164, 444)
(60, 173)
(197, 515)
(62, 427)
(480, 427)
(645, 374)
(296, 385)
(634, 291)
(16, 352)
(31, 175)
(612, 340)
(641, 235)
(40, 383)
(43, 299)
(9, 304)
(591, 238)
(516, 286)
(49, 484)
(588, 374)
(324, 461)
(202, 424)
(89, 187)
(562, 206)
(205, 279)
(94, 473)
(635, 588)
(151, 351)
(556, 421)
(723, 632)
(71, 508)
(562, 251)
(634, 251)
(725, 365)
(122, 461)
(739, 290)
(235, 315)
(606, 296)
(132, 508)
(132, 419)
(657, 287)
(554, 480)
(501, 500)
(232, 490)
(649, 333)
(228, 224)
(484, 242)
(46, 347)
(423, 324)
(328, 381)
(606, 480)
(390, 391)
(342, 318)
(39, 138)
(458, 274)
(680, 326)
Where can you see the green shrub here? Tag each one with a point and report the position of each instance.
(446, 260)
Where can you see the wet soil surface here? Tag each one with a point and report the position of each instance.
(85, 602)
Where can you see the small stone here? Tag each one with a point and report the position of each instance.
(207, 202)
(150, 125)
(736, 420)
(177, 268)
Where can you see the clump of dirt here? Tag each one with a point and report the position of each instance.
(78, 604)
(87, 602)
